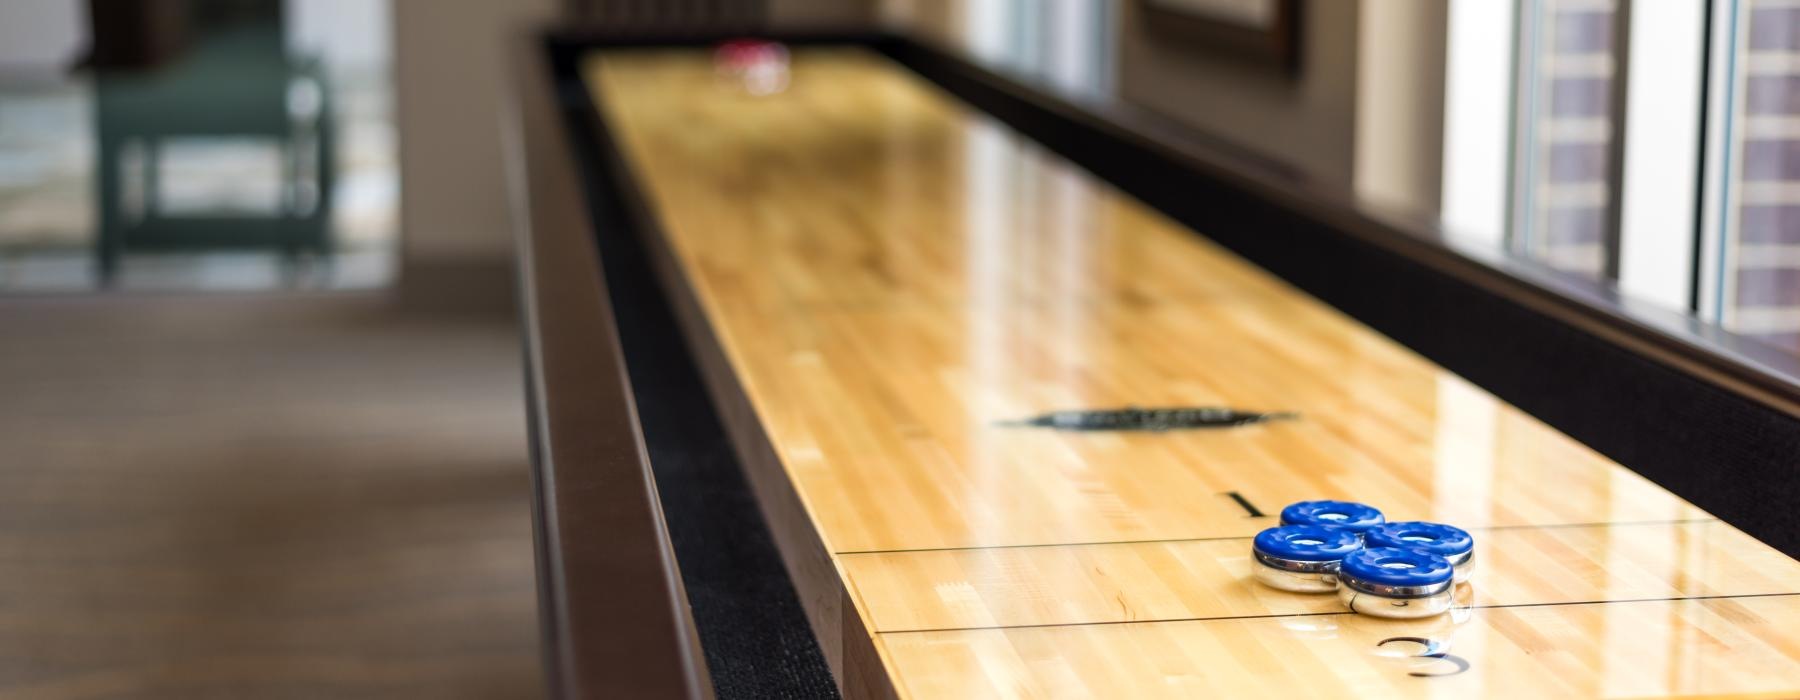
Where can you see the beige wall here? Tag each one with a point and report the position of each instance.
(1306, 120)
(1400, 103)
(449, 67)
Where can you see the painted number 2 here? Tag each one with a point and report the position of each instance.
(1431, 650)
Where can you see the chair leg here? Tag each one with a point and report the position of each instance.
(110, 193)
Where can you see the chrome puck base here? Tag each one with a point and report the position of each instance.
(1399, 608)
(1322, 581)
(1464, 565)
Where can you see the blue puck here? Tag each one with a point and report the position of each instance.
(1355, 517)
(1396, 583)
(1301, 558)
(1306, 543)
(1396, 573)
(1443, 540)
(1449, 542)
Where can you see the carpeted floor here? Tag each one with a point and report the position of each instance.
(262, 497)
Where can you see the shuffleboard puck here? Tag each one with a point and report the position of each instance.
(1394, 582)
(1301, 558)
(1348, 515)
(1446, 541)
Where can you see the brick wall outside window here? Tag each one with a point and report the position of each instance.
(1568, 134)
(1763, 282)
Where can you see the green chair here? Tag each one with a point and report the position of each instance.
(239, 84)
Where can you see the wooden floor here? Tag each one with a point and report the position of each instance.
(262, 497)
(890, 276)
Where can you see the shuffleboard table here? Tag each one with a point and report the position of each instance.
(879, 281)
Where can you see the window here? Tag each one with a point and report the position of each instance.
(1650, 145)
(1066, 44)
(1753, 262)
(1563, 190)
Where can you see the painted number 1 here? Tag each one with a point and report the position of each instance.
(1245, 503)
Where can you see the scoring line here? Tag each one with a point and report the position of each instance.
(1489, 528)
(1226, 618)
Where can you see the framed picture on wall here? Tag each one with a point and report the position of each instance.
(1264, 31)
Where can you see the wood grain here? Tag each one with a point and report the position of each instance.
(1713, 648)
(886, 277)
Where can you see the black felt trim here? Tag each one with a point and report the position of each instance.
(752, 628)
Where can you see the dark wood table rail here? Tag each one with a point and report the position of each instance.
(616, 621)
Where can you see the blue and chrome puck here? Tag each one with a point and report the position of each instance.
(1451, 543)
(1354, 517)
(1301, 558)
(1394, 582)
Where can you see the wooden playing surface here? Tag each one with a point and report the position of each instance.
(889, 274)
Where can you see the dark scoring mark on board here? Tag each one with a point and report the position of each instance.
(1246, 505)
(1149, 419)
